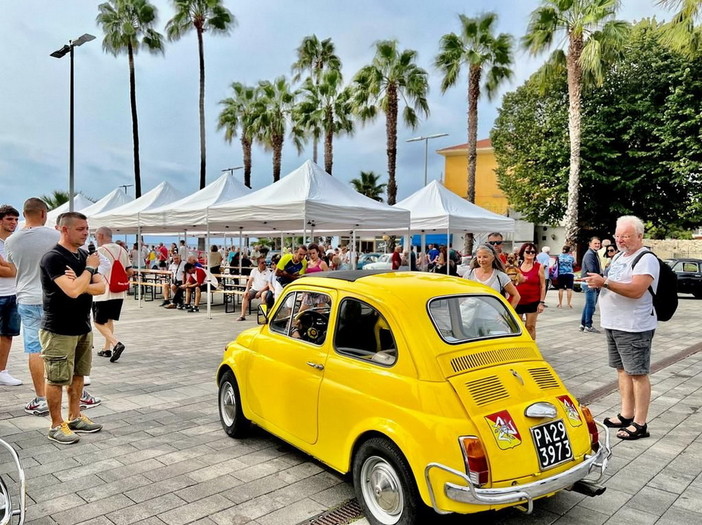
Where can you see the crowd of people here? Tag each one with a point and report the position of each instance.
(50, 285)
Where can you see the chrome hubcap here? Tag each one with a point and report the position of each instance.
(227, 403)
(382, 490)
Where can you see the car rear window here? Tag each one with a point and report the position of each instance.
(463, 318)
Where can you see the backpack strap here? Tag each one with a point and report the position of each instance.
(637, 259)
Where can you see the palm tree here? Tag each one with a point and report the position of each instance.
(55, 199)
(273, 114)
(315, 57)
(392, 76)
(488, 59)
(238, 114)
(326, 104)
(593, 37)
(368, 185)
(200, 15)
(681, 33)
(128, 26)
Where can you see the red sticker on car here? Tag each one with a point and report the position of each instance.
(504, 429)
(570, 410)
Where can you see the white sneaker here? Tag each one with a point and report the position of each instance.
(86, 380)
(7, 380)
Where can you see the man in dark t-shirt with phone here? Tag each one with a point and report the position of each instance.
(69, 279)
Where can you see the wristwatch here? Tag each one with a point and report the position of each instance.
(605, 284)
(91, 269)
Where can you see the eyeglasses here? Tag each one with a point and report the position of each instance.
(529, 251)
(610, 251)
(495, 243)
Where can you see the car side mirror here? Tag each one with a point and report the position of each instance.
(262, 314)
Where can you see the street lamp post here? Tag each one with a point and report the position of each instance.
(60, 53)
(426, 140)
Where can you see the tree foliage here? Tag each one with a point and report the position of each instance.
(641, 142)
(55, 199)
(369, 185)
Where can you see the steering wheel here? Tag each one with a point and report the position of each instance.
(312, 325)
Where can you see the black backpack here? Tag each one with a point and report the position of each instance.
(665, 300)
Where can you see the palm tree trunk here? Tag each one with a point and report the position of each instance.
(391, 132)
(246, 150)
(135, 122)
(203, 155)
(328, 138)
(474, 73)
(314, 149)
(575, 79)
(277, 143)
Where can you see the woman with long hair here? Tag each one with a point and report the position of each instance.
(486, 268)
(315, 264)
(532, 288)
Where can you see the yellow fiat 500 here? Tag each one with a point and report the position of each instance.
(426, 388)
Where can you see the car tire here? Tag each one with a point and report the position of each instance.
(231, 414)
(697, 294)
(384, 484)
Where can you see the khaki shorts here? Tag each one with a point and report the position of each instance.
(65, 356)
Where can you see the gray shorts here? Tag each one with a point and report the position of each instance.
(630, 351)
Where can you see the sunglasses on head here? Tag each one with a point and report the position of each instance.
(529, 251)
(495, 243)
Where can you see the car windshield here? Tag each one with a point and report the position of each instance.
(468, 317)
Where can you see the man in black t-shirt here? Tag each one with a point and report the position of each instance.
(69, 279)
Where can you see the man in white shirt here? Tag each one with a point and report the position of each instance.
(256, 285)
(108, 306)
(629, 320)
(9, 317)
(177, 269)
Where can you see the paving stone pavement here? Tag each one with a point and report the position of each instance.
(163, 458)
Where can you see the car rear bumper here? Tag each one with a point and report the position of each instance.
(525, 493)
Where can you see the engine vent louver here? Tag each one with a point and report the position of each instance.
(544, 378)
(486, 390)
(481, 359)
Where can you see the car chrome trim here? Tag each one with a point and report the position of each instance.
(541, 409)
(316, 366)
(525, 493)
(21, 481)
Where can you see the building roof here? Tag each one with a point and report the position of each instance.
(484, 144)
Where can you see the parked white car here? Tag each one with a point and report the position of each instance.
(383, 263)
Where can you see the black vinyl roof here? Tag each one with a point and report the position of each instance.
(346, 275)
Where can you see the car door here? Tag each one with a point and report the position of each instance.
(288, 367)
(688, 276)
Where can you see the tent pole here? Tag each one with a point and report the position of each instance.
(448, 250)
(209, 275)
(141, 276)
(139, 262)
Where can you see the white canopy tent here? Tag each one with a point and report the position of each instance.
(110, 201)
(80, 202)
(126, 218)
(435, 207)
(307, 199)
(191, 211)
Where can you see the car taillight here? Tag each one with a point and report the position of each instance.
(591, 428)
(475, 460)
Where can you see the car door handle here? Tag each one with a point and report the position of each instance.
(316, 366)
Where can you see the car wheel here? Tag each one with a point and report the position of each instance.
(698, 294)
(384, 484)
(231, 415)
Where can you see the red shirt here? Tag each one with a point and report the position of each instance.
(198, 277)
(530, 288)
(396, 259)
(163, 253)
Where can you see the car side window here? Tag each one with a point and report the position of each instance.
(362, 332)
(304, 316)
(281, 321)
(690, 267)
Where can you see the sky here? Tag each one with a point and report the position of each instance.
(34, 91)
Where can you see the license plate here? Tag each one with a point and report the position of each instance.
(552, 443)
